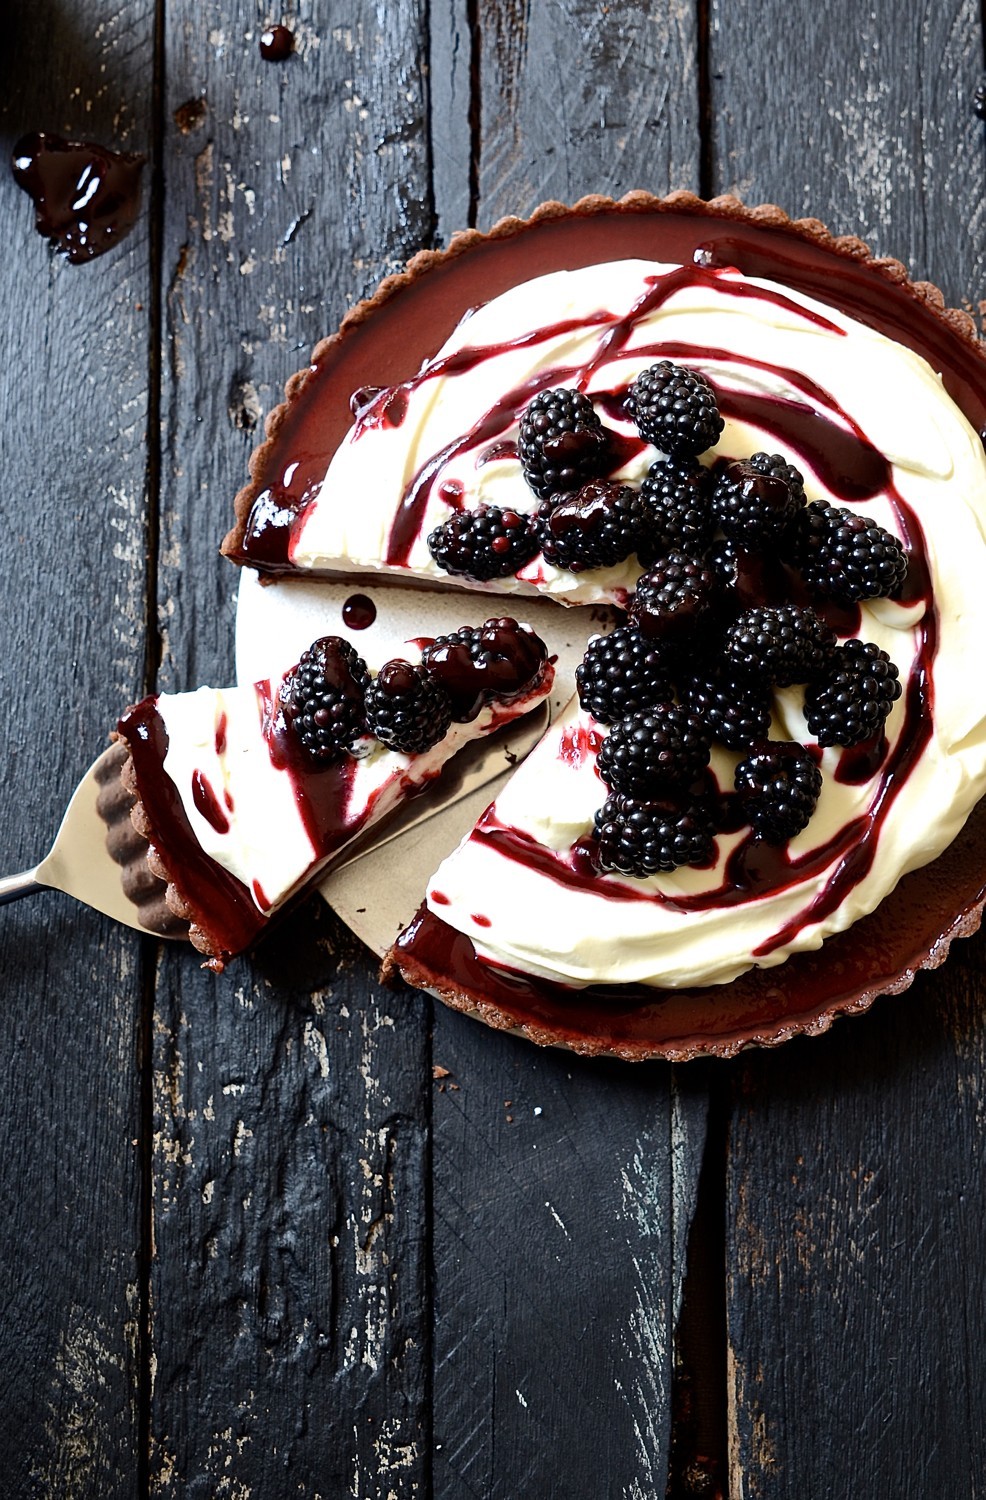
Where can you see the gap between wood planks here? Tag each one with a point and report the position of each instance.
(149, 948)
(698, 1455)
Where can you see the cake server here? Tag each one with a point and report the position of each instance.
(99, 860)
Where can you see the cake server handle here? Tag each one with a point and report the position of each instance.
(13, 887)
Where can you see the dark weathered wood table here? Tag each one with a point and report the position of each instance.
(248, 1245)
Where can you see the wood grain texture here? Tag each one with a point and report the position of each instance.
(856, 1173)
(561, 1189)
(578, 97)
(290, 1328)
(73, 389)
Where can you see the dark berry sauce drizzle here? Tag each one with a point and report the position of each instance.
(224, 907)
(359, 612)
(85, 196)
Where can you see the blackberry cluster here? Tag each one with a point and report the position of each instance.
(329, 701)
(499, 659)
(779, 785)
(322, 699)
(485, 543)
(679, 514)
(407, 708)
(673, 599)
(658, 747)
(847, 557)
(599, 526)
(620, 674)
(561, 443)
(675, 409)
(736, 713)
(756, 502)
(779, 644)
(851, 703)
(637, 837)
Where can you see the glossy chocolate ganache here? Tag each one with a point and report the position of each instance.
(893, 463)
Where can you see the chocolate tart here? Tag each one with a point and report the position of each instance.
(383, 342)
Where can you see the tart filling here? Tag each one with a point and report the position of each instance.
(869, 425)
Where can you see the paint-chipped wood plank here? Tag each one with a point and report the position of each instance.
(290, 1327)
(74, 349)
(856, 1306)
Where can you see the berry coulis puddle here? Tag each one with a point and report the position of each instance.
(86, 197)
(359, 612)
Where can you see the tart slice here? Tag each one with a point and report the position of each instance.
(244, 795)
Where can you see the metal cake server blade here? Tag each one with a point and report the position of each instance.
(79, 861)
(98, 859)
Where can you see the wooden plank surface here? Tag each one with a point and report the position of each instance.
(74, 390)
(290, 1309)
(355, 1279)
(561, 1188)
(856, 1178)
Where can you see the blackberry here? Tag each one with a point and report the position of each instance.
(561, 443)
(496, 660)
(407, 708)
(600, 525)
(777, 465)
(744, 577)
(754, 502)
(644, 837)
(679, 517)
(672, 599)
(650, 750)
(675, 409)
(322, 698)
(779, 644)
(779, 784)
(735, 712)
(619, 674)
(485, 543)
(845, 556)
(851, 703)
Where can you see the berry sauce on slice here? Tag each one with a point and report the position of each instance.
(359, 612)
(207, 803)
